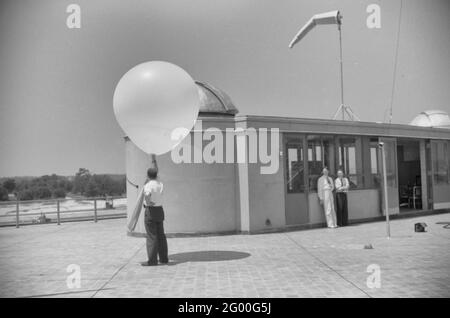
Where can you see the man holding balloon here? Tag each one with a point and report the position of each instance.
(154, 220)
(152, 100)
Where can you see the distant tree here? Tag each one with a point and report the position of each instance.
(26, 195)
(9, 185)
(3, 194)
(64, 183)
(108, 185)
(92, 190)
(68, 186)
(81, 180)
(54, 186)
(42, 193)
(22, 185)
(104, 183)
(118, 186)
(44, 187)
(59, 193)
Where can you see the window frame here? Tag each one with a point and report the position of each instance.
(291, 140)
(359, 162)
(311, 179)
(435, 161)
(363, 144)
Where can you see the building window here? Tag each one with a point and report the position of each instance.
(349, 150)
(373, 160)
(320, 155)
(295, 168)
(390, 151)
(441, 162)
(374, 163)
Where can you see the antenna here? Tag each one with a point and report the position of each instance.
(394, 75)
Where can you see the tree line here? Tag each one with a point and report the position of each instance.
(53, 186)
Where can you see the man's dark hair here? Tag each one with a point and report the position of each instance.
(152, 173)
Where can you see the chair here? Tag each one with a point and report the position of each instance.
(404, 197)
(416, 196)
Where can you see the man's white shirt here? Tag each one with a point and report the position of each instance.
(341, 186)
(153, 193)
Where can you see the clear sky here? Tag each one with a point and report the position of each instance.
(56, 83)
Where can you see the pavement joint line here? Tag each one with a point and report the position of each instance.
(62, 293)
(118, 271)
(326, 265)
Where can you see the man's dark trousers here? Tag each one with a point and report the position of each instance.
(156, 238)
(341, 208)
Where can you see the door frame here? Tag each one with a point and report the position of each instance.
(301, 139)
(393, 203)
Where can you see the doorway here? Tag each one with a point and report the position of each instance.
(409, 175)
(296, 190)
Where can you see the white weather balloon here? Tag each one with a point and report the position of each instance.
(153, 99)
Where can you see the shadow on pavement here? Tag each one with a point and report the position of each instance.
(207, 256)
(446, 225)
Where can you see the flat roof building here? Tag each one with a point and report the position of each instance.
(259, 173)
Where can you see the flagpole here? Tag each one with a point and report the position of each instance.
(386, 202)
(342, 69)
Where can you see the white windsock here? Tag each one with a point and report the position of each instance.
(332, 17)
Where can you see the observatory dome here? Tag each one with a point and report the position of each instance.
(432, 118)
(214, 102)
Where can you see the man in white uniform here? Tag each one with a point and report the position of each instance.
(325, 187)
(154, 220)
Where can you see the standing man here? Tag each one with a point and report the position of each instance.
(342, 185)
(154, 219)
(325, 187)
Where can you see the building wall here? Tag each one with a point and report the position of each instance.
(198, 197)
(316, 213)
(266, 198)
(227, 197)
(364, 204)
(441, 196)
(262, 195)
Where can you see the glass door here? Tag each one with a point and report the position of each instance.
(440, 164)
(296, 197)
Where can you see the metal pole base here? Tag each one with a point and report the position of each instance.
(346, 110)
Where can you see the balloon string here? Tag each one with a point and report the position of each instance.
(134, 185)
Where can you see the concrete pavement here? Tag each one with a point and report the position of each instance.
(43, 261)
